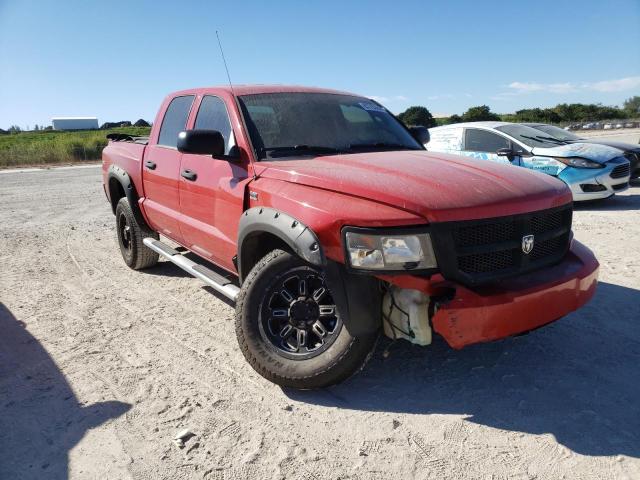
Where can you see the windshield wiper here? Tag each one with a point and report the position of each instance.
(380, 145)
(540, 138)
(553, 139)
(297, 149)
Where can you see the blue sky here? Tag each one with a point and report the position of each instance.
(117, 59)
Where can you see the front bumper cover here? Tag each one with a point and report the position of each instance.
(519, 304)
(600, 178)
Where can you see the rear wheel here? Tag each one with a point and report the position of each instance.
(130, 236)
(289, 328)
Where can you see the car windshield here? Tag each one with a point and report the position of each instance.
(293, 124)
(530, 136)
(557, 132)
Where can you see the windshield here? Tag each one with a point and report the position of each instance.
(310, 124)
(557, 132)
(530, 136)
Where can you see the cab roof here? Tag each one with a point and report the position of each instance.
(258, 89)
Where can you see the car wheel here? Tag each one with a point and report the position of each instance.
(130, 236)
(289, 328)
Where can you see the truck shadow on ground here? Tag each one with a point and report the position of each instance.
(578, 379)
(41, 419)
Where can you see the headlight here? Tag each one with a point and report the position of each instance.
(579, 162)
(373, 251)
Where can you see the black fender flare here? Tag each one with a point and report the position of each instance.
(122, 177)
(358, 297)
(301, 239)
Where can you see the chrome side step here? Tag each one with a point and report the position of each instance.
(216, 281)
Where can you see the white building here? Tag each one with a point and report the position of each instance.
(75, 123)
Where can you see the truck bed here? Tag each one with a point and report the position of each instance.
(127, 154)
(123, 137)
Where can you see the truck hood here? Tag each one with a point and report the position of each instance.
(438, 187)
(590, 151)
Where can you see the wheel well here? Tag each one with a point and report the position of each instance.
(116, 192)
(256, 246)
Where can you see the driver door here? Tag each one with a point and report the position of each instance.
(212, 191)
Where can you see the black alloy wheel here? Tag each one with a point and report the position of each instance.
(298, 316)
(124, 232)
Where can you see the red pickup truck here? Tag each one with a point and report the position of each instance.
(326, 221)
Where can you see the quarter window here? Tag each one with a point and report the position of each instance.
(175, 120)
(483, 141)
(213, 115)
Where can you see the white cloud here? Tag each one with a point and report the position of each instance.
(620, 85)
(617, 85)
(528, 87)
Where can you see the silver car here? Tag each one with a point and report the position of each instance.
(591, 171)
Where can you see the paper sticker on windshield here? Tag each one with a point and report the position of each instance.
(371, 107)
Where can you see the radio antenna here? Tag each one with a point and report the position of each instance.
(225, 63)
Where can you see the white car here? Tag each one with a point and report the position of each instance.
(592, 171)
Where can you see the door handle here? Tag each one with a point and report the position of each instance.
(189, 175)
(150, 165)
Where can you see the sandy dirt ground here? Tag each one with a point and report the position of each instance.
(629, 135)
(101, 366)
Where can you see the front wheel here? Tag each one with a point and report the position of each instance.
(289, 328)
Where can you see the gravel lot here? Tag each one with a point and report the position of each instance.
(629, 135)
(101, 366)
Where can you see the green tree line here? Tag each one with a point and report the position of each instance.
(561, 113)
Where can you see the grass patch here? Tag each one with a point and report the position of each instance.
(52, 147)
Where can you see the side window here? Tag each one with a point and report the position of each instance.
(483, 141)
(213, 115)
(174, 121)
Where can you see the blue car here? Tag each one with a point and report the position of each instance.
(591, 171)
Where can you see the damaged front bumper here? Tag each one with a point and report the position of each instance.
(519, 304)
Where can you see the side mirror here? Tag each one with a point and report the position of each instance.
(203, 142)
(505, 152)
(421, 134)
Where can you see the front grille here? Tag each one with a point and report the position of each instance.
(486, 262)
(620, 186)
(483, 234)
(546, 221)
(547, 248)
(621, 171)
(483, 251)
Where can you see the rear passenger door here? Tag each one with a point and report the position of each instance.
(211, 202)
(161, 171)
(483, 145)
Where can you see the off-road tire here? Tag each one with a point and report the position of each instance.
(135, 253)
(345, 356)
